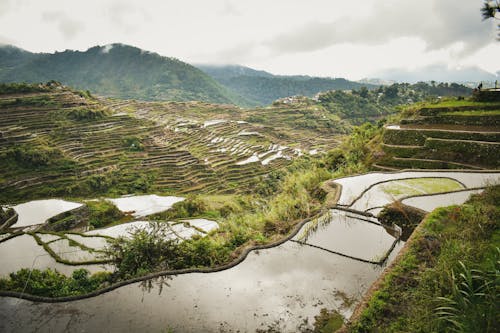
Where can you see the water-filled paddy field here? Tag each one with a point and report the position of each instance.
(330, 263)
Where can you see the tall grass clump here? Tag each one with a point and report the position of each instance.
(448, 280)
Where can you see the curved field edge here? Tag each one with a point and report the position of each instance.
(449, 243)
(232, 264)
(332, 189)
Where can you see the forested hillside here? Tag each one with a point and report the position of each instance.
(264, 88)
(115, 70)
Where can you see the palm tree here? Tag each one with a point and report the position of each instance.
(491, 9)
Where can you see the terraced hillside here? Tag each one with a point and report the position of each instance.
(58, 142)
(449, 135)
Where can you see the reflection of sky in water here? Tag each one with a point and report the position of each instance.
(352, 187)
(282, 286)
(38, 211)
(143, 205)
(285, 284)
(352, 237)
(431, 202)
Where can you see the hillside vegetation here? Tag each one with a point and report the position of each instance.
(454, 134)
(116, 70)
(264, 88)
(55, 141)
(447, 281)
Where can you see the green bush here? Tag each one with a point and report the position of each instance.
(14, 88)
(102, 212)
(145, 251)
(133, 144)
(85, 114)
(190, 207)
(33, 156)
(51, 283)
(334, 159)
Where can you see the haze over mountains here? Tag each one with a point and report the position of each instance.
(115, 70)
(439, 73)
(265, 87)
(123, 71)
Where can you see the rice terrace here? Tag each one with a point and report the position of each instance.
(139, 192)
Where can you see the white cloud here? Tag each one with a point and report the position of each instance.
(67, 26)
(107, 48)
(316, 37)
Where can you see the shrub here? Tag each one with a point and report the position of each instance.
(133, 144)
(192, 206)
(33, 156)
(82, 114)
(51, 283)
(102, 212)
(145, 251)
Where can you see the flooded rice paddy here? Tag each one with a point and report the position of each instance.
(280, 289)
(143, 205)
(36, 212)
(429, 203)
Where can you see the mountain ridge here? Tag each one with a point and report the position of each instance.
(116, 70)
(264, 87)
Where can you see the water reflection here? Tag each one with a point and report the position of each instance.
(282, 288)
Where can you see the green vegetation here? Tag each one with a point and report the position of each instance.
(117, 70)
(472, 113)
(94, 214)
(84, 114)
(421, 186)
(327, 321)
(127, 72)
(15, 88)
(87, 146)
(146, 251)
(282, 200)
(33, 156)
(263, 220)
(102, 213)
(133, 144)
(357, 152)
(448, 278)
(51, 283)
(450, 134)
(263, 88)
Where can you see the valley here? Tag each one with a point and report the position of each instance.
(228, 198)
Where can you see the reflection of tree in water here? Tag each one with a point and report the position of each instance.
(313, 226)
(157, 282)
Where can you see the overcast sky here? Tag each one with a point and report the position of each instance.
(352, 39)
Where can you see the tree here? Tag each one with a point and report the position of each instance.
(491, 9)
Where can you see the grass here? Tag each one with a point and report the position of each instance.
(473, 113)
(455, 103)
(448, 278)
(256, 209)
(417, 186)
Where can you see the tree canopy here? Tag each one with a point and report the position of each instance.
(491, 9)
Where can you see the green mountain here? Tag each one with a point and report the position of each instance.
(116, 70)
(264, 87)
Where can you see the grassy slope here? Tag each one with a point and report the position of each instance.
(447, 279)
